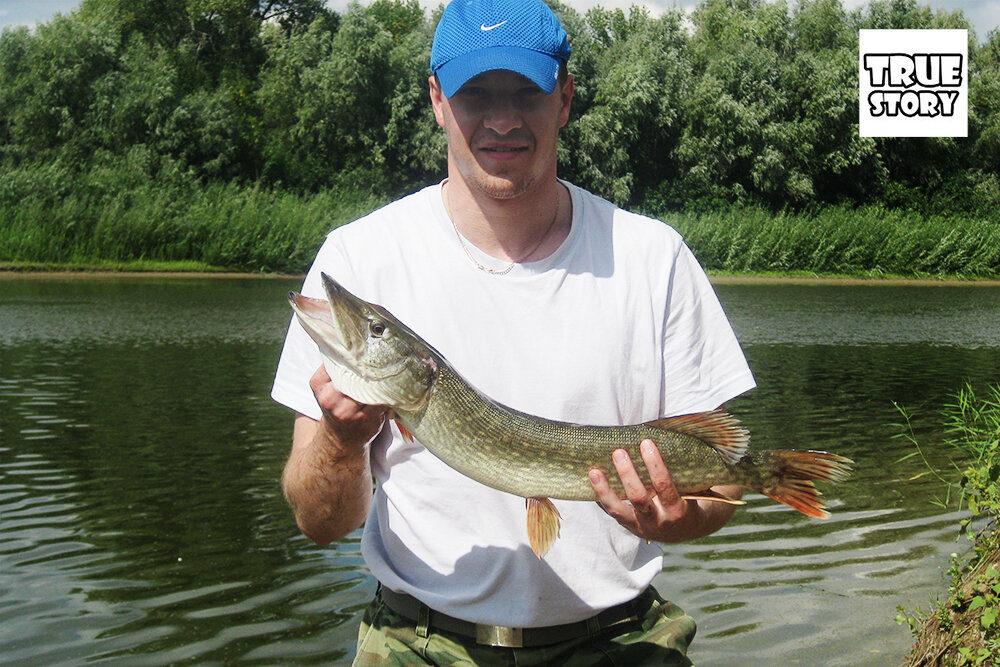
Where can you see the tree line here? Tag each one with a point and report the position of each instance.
(740, 103)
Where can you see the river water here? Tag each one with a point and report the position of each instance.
(141, 520)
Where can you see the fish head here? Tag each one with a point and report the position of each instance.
(370, 355)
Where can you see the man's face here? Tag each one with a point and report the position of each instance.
(502, 131)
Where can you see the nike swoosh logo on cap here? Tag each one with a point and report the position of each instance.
(487, 28)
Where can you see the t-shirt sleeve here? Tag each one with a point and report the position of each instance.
(703, 363)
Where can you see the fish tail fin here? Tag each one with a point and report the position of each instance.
(717, 428)
(543, 524)
(793, 473)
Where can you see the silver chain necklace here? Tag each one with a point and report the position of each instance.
(507, 269)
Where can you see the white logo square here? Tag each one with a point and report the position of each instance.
(913, 83)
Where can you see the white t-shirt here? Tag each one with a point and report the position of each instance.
(619, 325)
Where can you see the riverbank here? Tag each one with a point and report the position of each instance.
(127, 270)
(963, 629)
(797, 279)
(12, 271)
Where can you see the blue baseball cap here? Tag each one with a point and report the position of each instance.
(476, 36)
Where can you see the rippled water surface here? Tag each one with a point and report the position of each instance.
(141, 520)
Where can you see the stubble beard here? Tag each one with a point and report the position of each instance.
(503, 184)
(500, 188)
(500, 184)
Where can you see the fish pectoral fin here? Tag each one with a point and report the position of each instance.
(403, 431)
(712, 496)
(543, 524)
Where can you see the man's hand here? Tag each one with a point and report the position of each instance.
(348, 424)
(658, 513)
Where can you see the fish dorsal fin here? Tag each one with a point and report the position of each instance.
(718, 429)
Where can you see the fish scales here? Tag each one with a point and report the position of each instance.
(530, 456)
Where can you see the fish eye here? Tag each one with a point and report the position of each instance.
(376, 328)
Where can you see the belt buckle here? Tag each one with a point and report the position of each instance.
(499, 635)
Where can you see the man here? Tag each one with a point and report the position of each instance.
(550, 301)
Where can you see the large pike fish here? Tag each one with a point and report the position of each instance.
(376, 359)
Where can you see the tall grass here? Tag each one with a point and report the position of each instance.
(48, 216)
(871, 241)
(142, 209)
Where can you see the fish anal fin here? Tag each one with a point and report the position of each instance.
(403, 431)
(801, 495)
(543, 524)
(718, 429)
(713, 496)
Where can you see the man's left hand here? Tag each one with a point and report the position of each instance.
(658, 513)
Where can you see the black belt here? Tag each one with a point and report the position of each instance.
(499, 635)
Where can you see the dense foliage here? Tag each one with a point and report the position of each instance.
(964, 628)
(743, 103)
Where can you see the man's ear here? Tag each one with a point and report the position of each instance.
(437, 98)
(566, 94)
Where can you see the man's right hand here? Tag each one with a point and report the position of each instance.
(347, 423)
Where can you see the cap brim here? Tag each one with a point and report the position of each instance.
(541, 69)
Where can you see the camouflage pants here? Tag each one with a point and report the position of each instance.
(660, 637)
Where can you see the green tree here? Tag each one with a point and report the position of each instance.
(735, 146)
(822, 81)
(47, 84)
(134, 100)
(743, 102)
(354, 101)
(623, 140)
(984, 125)
(918, 170)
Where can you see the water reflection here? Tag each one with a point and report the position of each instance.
(960, 315)
(141, 520)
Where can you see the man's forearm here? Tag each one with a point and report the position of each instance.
(328, 486)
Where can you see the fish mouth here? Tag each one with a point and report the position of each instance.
(348, 315)
(337, 325)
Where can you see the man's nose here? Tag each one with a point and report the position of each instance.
(503, 115)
